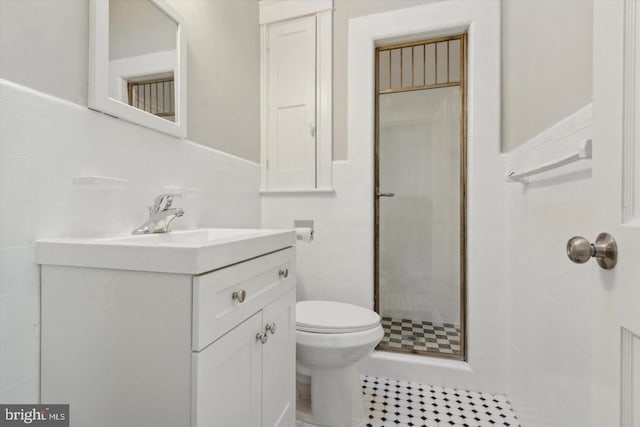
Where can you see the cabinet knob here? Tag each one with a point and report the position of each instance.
(239, 295)
(283, 273)
(271, 327)
(262, 337)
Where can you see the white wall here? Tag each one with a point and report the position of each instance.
(546, 64)
(44, 143)
(139, 27)
(548, 316)
(337, 264)
(344, 10)
(44, 45)
(419, 155)
(223, 56)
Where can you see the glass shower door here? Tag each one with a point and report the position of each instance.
(420, 217)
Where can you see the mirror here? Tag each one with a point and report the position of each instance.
(138, 63)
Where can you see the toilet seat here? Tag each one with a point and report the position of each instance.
(331, 317)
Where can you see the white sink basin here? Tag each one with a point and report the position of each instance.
(184, 252)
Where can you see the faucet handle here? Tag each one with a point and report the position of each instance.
(164, 201)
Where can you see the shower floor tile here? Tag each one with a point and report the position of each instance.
(409, 404)
(406, 334)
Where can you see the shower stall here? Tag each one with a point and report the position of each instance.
(420, 206)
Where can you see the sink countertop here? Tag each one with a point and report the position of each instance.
(181, 252)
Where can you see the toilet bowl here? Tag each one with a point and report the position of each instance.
(331, 338)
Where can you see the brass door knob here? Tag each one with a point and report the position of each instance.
(605, 250)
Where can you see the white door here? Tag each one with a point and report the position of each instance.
(227, 379)
(291, 104)
(616, 173)
(278, 363)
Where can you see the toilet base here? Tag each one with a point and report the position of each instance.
(336, 398)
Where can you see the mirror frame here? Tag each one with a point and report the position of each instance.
(98, 94)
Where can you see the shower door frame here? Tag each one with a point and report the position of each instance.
(463, 356)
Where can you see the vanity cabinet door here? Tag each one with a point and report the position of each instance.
(227, 378)
(278, 363)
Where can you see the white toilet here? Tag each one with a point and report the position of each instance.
(331, 338)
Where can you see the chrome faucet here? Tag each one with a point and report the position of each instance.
(160, 215)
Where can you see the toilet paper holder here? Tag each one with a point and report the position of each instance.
(304, 229)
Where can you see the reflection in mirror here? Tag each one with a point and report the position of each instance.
(138, 63)
(142, 57)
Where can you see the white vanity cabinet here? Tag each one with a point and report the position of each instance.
(139, 348)
(253, 360)
(258, 382)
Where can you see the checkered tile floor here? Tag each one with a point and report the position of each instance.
(420, 336)
(393, 403)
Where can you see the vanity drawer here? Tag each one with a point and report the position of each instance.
(224, 298)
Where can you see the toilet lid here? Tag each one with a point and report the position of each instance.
(331, 317)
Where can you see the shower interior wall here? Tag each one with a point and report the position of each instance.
(419, 151)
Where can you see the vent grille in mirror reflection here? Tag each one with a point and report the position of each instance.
(154, 96)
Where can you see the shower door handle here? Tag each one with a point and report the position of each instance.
(385, 195)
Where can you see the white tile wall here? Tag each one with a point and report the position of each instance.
(44, 142)
(337, 265)
(548, 297)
